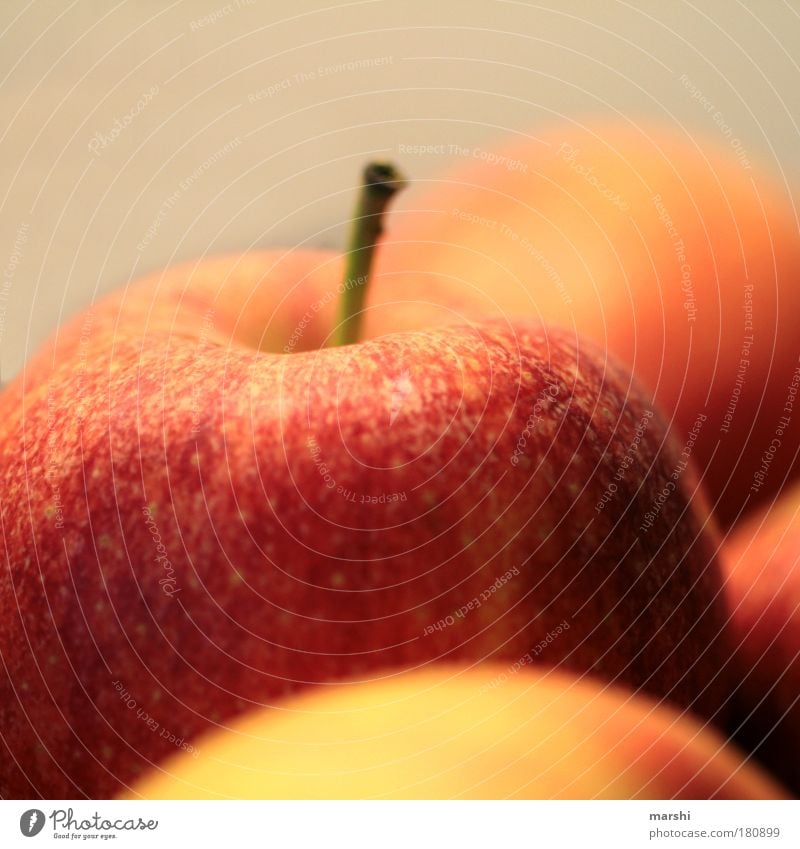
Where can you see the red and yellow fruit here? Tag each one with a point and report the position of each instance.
(199, 517)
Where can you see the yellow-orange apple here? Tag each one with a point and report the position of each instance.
(472, 733)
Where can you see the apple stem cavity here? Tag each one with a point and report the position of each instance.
(381, 182)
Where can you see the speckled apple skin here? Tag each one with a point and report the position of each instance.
(761, 566)
(160, 420)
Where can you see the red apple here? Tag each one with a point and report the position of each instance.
(195, 524)
(674, 255)
(762, 570)
(480, 733)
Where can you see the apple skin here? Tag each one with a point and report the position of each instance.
(762, 585)
(569, 230)
(463, 733)
(176, 555)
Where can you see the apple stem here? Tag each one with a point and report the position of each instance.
(380, 183)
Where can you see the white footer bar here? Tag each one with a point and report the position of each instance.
(402, 825)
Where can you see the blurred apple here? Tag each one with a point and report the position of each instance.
(479, 733)
(762, 565)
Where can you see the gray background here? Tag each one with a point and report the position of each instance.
(271, 81)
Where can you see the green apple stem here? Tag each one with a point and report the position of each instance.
(381, 182)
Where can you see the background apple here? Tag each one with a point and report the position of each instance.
(663, 249)
(195, 526)
(472, 733)
(763, 589)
